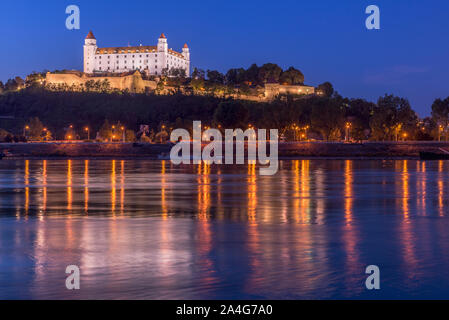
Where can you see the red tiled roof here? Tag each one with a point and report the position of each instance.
(137, 49)
(90, 35)
(162, 36)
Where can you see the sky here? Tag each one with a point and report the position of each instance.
(326, 39)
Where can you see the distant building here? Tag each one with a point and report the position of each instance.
(150, 60)
(274, 89)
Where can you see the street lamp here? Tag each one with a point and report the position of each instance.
(123, 133)
(348, 127)
(25, 129)
(88, 132)
(405, 135)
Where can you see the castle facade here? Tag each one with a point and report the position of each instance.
(151, 60)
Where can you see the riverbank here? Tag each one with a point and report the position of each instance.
(286, 150)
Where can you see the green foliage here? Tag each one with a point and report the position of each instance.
(35, 129)
(324, 117)
(391, 116)
(325, 89)
(292, 76)
(105, 131)
(231, 114)
(215, 77)
(328, 117)
(440, 111)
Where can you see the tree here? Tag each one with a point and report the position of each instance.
(328, 117)
(325, 89)
(105, 131)
(11, 85)
(231, 114)
(215, 77)
(235, 76)
(177, 73)
(391, 116)
(130, 136)
(35, 129)
(359, 114)
(198, 74)
(252, 74)
(269, 72)
(440, 111)
(292, 76)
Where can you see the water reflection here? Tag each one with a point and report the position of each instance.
(69, 186)
(223, 231)
(86, 186)
(300, 193)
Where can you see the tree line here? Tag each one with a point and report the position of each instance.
(96, 106)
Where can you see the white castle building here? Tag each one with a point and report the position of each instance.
(147, 59)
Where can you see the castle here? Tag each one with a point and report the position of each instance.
(124, 69)
(150, 60)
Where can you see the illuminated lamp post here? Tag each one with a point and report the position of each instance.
(405, 135)
(348, 127)
(123, 133)
(88, 132)
(25, 129)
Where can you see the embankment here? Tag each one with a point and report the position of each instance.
(289, 149)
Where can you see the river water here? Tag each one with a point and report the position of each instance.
(145, 229)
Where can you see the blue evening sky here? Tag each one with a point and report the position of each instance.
(326, 39)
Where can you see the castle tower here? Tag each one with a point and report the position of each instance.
(90, 47)
(162, 45)
(186, 54)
